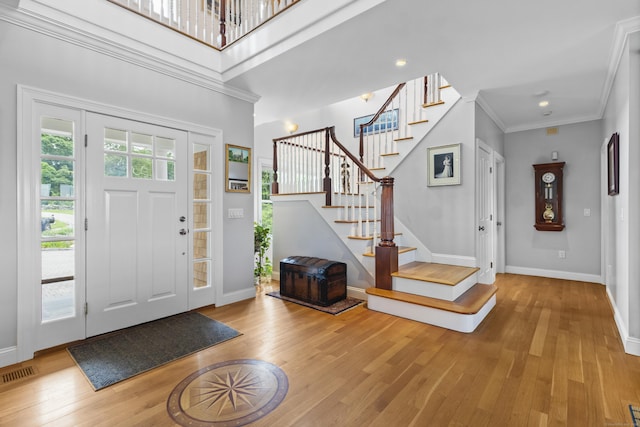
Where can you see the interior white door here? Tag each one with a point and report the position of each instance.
(484, 207)
(137, 206)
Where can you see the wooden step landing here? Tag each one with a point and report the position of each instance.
(368, 237)
(436, 273)
(471, 302)
(401, 250)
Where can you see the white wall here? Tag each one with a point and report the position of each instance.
(622, 227)
(536, 252)
(33, 59)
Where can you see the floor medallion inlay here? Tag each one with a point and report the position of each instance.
(232, 393)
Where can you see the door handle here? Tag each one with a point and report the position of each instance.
(182, 219)
(183, 232)
(481, 228)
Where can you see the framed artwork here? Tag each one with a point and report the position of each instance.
(613, 164)
(443, 166)
(386, 122)
(238, 169)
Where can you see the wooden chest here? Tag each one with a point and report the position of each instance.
(313, 280)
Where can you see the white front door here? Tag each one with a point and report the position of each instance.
(484, 210)
(137, 233)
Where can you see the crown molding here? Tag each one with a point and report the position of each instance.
(622, 32)
(560, 122)
(492, 114)
(35, 17)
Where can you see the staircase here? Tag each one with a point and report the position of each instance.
(348, 199)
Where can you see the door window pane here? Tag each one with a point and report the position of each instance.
(201, 186)
(200, 215)
(200, 245)
(201, 274)
(115, 140)
(57, 219)
(165, 170)
(200, 157)
(141, 144)
(142, 167)
(165, 147)
(115, 165)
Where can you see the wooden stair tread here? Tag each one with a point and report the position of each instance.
(432, 272)
(470, 302)
(406, 138)
(401, 250)
(417, 122)
(433, 104)
(390, 154)
(354, 221)
(377, 169)
(346, 207)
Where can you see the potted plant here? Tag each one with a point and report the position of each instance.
(262, 240)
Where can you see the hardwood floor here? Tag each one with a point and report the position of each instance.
(548, 354)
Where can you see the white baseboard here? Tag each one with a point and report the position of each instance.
(554, 274)
(8, 356)
(275, 275)
(631, 345)
(236, 296)
(459, 260)
(357, 293)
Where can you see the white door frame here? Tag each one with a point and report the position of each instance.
(27, 98)
(499, 210)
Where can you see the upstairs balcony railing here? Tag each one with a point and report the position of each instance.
(217, 23)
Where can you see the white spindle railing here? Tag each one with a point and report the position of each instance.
(405, 108)
(201, 19)
(299, 167)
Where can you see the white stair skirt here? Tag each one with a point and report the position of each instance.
(445, 319)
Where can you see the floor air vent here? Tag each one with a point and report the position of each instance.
(18, 374)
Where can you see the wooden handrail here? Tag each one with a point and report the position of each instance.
(376, 116)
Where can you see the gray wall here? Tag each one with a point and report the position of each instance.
(442, 218)
(302, 231)
(579, 146)
(488, 131)
(32, 59)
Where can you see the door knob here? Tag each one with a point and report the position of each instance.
(481, 228)
(183, 232)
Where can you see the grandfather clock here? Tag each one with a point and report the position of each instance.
(548, 180)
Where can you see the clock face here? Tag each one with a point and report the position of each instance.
(548, 177)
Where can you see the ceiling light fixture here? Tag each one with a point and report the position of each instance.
(543, 103)
(291, 127)
(401, 62)
(366, 96)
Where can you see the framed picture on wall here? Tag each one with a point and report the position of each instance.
(238, 169)
(613, 164)
(386, 122)
(443, 165)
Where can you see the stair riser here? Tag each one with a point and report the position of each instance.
(434, 290)
(445, 319)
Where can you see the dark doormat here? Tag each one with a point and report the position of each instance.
(116, 356)
(336, 308)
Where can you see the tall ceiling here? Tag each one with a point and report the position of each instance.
(504, 53)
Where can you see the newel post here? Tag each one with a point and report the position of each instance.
(274, 185)
(386, 251)
(326, 182)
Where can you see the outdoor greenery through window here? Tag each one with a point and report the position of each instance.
(57, 218)
(136, 155)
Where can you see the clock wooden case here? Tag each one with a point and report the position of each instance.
(548, 181)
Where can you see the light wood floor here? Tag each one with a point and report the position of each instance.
(548, 354)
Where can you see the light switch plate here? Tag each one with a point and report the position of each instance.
(236, 213)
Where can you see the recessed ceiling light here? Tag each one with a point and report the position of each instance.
(543, 103)
(401, 62)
